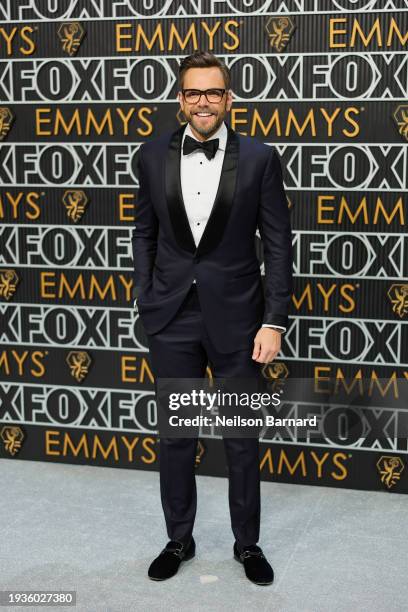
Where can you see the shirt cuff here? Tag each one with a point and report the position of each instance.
(279, 327)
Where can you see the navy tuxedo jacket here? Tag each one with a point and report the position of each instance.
(233, 299)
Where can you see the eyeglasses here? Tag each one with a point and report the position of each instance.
(192, 96)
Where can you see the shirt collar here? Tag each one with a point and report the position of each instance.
(221, 133)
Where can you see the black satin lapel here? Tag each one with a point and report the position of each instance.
(224, 198)
(174, 194)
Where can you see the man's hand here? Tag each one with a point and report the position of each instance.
(267, 344)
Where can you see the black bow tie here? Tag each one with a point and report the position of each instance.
(208, 146)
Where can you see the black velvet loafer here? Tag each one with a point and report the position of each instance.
(257, 568)
(167, 563)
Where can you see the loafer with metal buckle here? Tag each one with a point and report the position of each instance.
(167, 563)
(257, 568)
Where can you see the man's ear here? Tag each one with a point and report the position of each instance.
(229, 99)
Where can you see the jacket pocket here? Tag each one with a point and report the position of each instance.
(246, 274)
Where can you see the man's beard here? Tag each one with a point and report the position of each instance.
(203, 129)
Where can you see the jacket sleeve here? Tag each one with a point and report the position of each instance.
(276, 234)
(144, 234)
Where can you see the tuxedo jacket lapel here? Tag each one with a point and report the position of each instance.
(223, 200)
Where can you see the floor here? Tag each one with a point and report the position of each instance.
(95, 531)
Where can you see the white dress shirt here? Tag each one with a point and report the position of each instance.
(199, 183)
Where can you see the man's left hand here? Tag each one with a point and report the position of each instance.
(267, 344)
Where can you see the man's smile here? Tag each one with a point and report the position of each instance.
(204, 115)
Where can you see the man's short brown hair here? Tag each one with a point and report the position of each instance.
(203, 59)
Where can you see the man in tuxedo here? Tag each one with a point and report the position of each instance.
(203, 191)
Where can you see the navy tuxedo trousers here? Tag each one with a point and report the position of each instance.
(182, 349)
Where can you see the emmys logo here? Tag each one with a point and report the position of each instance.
(8, 283)
(390, 469)
(12, 437)
(6, 119)
(71, 35)
(401, 119)
(75, 202)
(398, 295)
(280, 30)
(78, 362)
(199, 453)
(275, 373)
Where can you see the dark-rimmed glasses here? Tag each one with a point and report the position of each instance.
(213, 95)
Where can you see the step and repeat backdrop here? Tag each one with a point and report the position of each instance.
(83, 83)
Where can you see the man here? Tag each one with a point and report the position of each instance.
(204, 189)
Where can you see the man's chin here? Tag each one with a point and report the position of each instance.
(202, 129)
